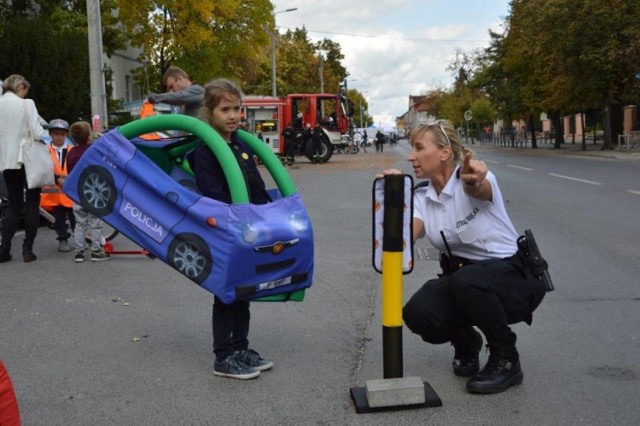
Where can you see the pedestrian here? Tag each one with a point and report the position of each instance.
(483, 282)
(365, 139)
(379, 141)
(317, 135)
(292, 139)
(18, 114)
(53, 199)
(359, 141)
(86, 222)
(222, 107)
(181, 91)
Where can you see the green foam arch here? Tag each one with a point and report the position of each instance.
(214, 141)
(271, 162)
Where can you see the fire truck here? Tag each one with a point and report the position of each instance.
(269, 116)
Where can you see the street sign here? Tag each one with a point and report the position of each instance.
(467, 115)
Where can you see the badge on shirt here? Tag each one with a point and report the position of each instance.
(245, 156)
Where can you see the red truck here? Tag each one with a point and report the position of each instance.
(268, 117)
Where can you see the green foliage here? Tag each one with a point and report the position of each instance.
(361, 117)
(563, 56)
(45, 56)
(48, 44)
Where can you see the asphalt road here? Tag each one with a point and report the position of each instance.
(67, 330)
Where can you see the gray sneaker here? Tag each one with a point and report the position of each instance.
(234, 368)
(97, 256)
(253, 359)
(63, 246)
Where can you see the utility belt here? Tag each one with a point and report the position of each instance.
(527, 257)
(450, 264)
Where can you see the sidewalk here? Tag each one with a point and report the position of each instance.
(567, 148)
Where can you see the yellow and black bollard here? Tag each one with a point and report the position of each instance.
(392, 249)
(392, 227)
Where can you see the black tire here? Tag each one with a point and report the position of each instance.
(189, 254)
(97, 191)
(326, 150)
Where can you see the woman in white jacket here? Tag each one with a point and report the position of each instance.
(16, 113)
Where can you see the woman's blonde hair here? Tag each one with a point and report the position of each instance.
(445, 135)
(14, 82)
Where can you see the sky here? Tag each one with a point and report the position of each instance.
(396, 48)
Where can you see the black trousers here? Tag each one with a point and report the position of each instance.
(61, 215)
(230, 324)
(489, 294)
(20, 200)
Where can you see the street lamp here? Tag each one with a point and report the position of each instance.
(272, 34)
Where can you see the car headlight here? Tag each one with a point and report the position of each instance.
(249, 233)
(298, 223)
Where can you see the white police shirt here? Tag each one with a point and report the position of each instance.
(474, 229)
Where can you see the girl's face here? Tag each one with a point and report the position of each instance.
(426, 157)
(225, 117)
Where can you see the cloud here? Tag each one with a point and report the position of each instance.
(396, 48)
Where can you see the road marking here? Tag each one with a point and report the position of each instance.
(491, 161)
(633, 191)
(520, 167)
(576, 179)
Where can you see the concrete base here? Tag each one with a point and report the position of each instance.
(391, 392)
(386, 398)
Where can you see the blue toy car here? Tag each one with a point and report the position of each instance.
(145, 189)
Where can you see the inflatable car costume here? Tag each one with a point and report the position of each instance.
(146, 190)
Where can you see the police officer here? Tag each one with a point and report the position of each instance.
(484, 284)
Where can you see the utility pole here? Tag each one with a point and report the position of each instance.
(96, 67)
(273, 34)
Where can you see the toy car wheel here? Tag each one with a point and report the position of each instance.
(189, 254)
(96, 190)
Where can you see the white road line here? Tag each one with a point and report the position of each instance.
(491, 161)
(520, 167)
(576, 179)
(633, 191)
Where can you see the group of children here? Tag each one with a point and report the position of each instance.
(71, 219)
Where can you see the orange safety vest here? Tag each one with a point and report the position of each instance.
(52, 195)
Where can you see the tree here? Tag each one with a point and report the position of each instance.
(578, 55)
(361, 118)
(47, 44)
(206, 38)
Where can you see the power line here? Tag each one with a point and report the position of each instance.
(418, 40)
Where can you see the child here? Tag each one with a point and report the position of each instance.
(53, 199)
(85, 220)
(222, 106)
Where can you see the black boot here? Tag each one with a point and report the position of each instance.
(467, 343)
(27, 253)
(501, 372)
(5, 255)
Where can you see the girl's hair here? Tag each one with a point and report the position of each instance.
(80, 132)
(445, 135)
(217, 89)
(14, 82)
